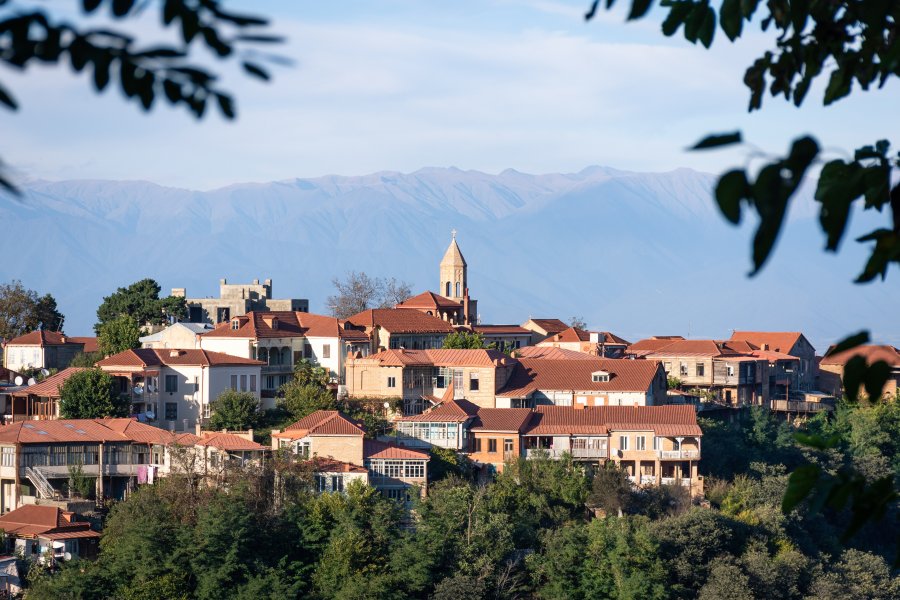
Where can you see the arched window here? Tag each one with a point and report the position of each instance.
(457, 290)
(448, 289)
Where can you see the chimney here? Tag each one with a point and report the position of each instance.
(198, 429)
(63, 339)
(175, 353)
(765, 347)
(256, 282)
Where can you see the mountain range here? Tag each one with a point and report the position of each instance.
(634, 253)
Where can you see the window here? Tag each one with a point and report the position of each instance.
(473, 382)
(234, 382)
(699, 369)
(599, 376)
(458, 380)
(684, 369)
(667, 366)
(477, 444)
(253, 383)
(243, 383)
(458, 295)
(171, 411)
(196, 384)
(623, 442)
(337, 483)
(655, 443)
(507, 445)
(235, 324)
(415, 469)
(392, 382)
(640, 442)
(206, 411)
(9, 456)
(492, 445)
(270, 382)
(326, 351)
(171, 383)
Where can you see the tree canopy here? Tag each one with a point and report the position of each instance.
(140, 301)
(464, 340)
(119, 334)
(358, 292)
(90, 394)
(235, 411)
(22, 310)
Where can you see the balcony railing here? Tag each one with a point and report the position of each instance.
(549, 452)
(266, 369)
(589, 453)
(799, 406)
(679, 454)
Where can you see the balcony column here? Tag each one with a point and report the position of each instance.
(657, 466)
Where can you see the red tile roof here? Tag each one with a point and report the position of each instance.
(42, 338)
(551, 353)
(872, 353)
(575, 334)
(551, 326)
(285, 324)
(321, 422)
(395, 320)
(376, 449)
(542, 374)
(44, 521)
(655, 347)
(779, 341)
(84, 430)
(229, 442)
(48, 388)
(90, 343)
(441, 358)
(155, 357)
(651, 344)
(501, 419)
(429, 300)
(330, 465)
(501, 330)
(669, 420)
(450, 411)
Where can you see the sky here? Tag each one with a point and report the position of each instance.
(399, 85)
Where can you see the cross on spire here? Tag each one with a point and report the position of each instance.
(453, 233)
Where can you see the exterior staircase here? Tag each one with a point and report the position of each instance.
(40, 482)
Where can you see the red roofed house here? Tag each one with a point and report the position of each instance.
(582, 383)
(338, 447)
(220, 449)
(654, 444)
(396, 328)
(174, 388)
(831, 368)
(543, 328)
(435, 305)
(38, 401)
(504, 337)
(598, 343)
(42, 532)
(423, 377)
(280, 339)
(792, 343)
(496, 435)
(445, 426)
(44, 349)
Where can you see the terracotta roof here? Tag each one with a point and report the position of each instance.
(376, 449)
(441, 358)
(542, 374)
(779, 341)
(681, 347)
(429, 300)
(549, 352)
(321, 422)
(872, 353)
(551, 326)
(90, 343)
(229, 442)
(330, 465)
(48, 388)
(44, 521)
(395, 320)
(501, 419)
(654, 343)
(450, 411)
(155, 357)
(772, 355)
(669, 420)
(575, 334)
(134, 430)
(84, 430)
(42, 337)
(501, 330)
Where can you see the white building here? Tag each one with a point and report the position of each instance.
(178, 335)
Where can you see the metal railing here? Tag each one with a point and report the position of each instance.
(549, 452)
(40, 482)
(679, 454)
(589, 453)
(799, 406)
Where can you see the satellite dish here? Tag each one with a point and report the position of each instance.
(150, 415)
(44, 372)
(32, 381)
(67, 556)
(19, 380)
(151, 388)
(138, 390)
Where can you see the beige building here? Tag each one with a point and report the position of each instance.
(597, 343)
(177, 335)
(454, 282)
(43, 349)
(541, 329)
(237, 299)
(791, 343)
(421, 378)
(831, 368)
(396, 328)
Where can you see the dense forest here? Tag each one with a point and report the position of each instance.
(541, 529)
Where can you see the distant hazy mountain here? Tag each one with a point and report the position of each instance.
(635, 253)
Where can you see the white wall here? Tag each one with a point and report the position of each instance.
(17, 358)
(233, 346)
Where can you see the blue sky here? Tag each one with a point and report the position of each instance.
(398, 85)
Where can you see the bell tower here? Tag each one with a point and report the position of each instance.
(454, 280)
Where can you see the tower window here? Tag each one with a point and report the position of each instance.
(448, 290)
(457, 290)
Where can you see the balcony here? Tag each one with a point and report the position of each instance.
(799, 406)
(549, 452)
(269, 369)
(679, 454)
(589, 453)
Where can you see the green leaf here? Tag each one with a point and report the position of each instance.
(678, 12)
(748, 7)
(817, 441)
(708, 28)
(838, 85)
(717, 140)
(694, 22)
(838, 187)
(592, 11)
(120, 8)
(877, 375)
(256, 71)
(91, 5)
(226, 105)
(731, 19)
(852, 341)
(730, 190)
(854, 375)
(800, 484)
(7, 99)
(639, 8)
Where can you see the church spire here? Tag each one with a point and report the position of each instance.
(453, 271)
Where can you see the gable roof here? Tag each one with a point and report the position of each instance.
(441, 358)
(669, 420)
(501, 330)
(90, 343)
(44, 521)
(398, 320)
(429, 300)
(84, 430)
(321, 422)
(43, 337)
(449, 411)
(652, 343)
(49, 387)
(228, 442)
(576, 334)
(552, 353)
(551, 326)
(779, 341)
(626, 375)
(156, 357)
(376, 449)
(501, 419)
(871, 352)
